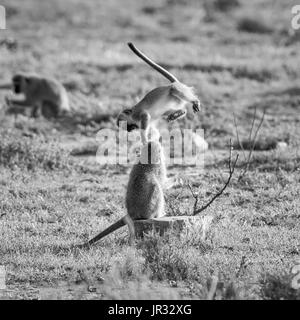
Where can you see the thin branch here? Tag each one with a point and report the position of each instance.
(246, 168)
(238, 137)
(231, 166)
(195, 196)
(220, 192)
(252, 125)
(217, 167)
(230, 155)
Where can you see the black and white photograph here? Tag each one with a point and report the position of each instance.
(149, 150)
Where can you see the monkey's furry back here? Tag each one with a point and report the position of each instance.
(51, 86)
(144, 197)
(49, 90)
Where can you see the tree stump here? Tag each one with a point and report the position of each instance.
(174, 223)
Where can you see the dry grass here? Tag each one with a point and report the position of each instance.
(255, 229)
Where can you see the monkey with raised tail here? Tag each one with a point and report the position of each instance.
(42, 95)
(168, 102)
(144, 196)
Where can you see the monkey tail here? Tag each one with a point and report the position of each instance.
(120, 223)
(154, 65)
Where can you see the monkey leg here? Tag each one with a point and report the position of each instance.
(8, 86)
(8, 101)
(20, 103)
(175, 115)
(36, 111)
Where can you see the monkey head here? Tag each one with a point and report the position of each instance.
(20, 83)
(126, 116)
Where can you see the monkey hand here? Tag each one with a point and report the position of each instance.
(8, 101)
(196, 106)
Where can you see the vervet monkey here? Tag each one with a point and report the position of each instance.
(168, 102)
(43, 95)
(144, 196)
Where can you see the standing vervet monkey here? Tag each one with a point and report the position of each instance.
(144, 196)
(43, 95)
(162, 102)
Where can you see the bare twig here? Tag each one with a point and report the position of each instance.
(238, 137)
(217, 167)
(195, 196)
(252, 125)
(246, 167)
(231, 166)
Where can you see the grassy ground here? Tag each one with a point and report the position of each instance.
(236, 65)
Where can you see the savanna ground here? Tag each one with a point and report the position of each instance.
(239, 58)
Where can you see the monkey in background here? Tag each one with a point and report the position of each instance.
(168, 102)
(144, 196)
(42, 95)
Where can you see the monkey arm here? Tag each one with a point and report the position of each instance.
(21, 103)
(8, 86)
(145, 121)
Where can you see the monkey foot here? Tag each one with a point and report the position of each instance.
(176, 115)
(7, 101)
